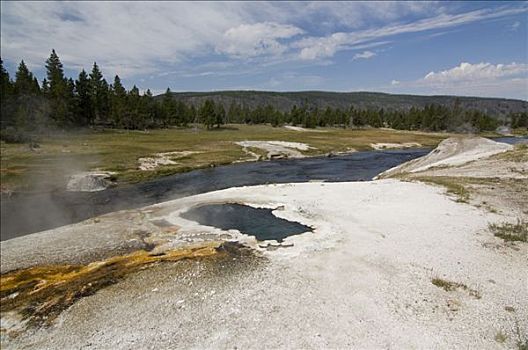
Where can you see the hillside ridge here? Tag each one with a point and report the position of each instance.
(284, 101)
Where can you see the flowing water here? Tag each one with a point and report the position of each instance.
(511, 140)
(26, 213)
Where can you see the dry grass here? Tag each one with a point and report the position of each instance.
(450, 286)
(453, 186)
(519, 154)
(520, 131)
(48, 167)
(500, 337)
(517, 232)
(491, 192)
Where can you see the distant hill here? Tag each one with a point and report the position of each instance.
(284, 101)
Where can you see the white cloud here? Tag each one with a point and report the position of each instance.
(478, 79)
(479, 72)
(364, 55)
(515, 25)
(356, 14)
(321, 47)
(250, 40)
(123, 37)
(197, 38)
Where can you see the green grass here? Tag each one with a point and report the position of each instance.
(452, 185)
(118, 150)
(517, 232)
(520, 131)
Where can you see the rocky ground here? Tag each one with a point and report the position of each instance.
(390, 264)
(90, 181)
(163, 158)
(275, 149)
(380, 146)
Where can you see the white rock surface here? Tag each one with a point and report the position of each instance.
(380, 146)
(159, 159)
(278, 148)
(89, 181)
(298, 128)
(362, 279)
(452, 152)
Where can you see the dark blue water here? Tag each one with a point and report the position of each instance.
(26, 213)
(257, 222)
(511, 140)
(261, 223)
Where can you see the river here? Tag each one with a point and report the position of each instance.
(22, 213)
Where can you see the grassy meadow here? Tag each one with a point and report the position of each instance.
(47, 167)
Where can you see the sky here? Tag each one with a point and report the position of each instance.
(428, 48)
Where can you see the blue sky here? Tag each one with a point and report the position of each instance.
(461, 48)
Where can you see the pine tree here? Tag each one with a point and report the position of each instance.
(190, 117)
(220, 115)
(105, 101)
(328, 117)
(25, 81)
(168, 108)
(45, 87)
(133, 119)
(36, 86)
(234, 114)
(181, 113)
(83, 101)
(118, 88)
(296, 115)
(148, 109)
(55, 75)
(57, 89)
(71, 102)
(276, 118)
(117, 102)
(6, 86)
(207, 113)
(310, 119)
(99, 95)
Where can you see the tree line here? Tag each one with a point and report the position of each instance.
(432, 117)
(89, 100)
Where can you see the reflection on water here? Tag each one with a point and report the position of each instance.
(257, 222)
